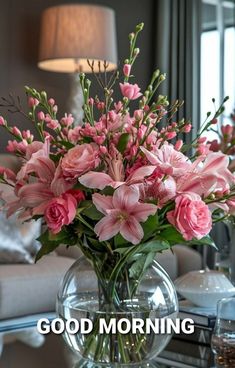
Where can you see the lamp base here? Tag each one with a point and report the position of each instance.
(76, 100)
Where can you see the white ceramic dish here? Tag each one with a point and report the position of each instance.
(204, 288)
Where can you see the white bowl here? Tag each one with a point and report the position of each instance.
(204, 288)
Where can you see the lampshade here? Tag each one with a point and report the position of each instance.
(71, 34)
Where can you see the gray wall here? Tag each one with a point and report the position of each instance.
(19, 35)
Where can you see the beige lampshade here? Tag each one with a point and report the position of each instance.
(71, 34)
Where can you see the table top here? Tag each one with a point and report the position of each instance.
(178, 353)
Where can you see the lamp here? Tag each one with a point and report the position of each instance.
(71, 34)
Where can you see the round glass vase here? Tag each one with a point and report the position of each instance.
(127, 328)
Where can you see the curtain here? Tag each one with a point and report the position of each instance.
(177, 53)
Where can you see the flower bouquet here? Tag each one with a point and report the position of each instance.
(121, 187)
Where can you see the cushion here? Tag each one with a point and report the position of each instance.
(28, 289)
(18, 241)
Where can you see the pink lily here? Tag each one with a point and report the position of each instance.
(99, 180)
(210, 176)
(123, 213)
(170, 161)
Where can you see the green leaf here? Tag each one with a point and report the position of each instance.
(51, 241)
(67, 144)
(155, 245)
(92, 213)
(139, 267)
(122, 143)
(120, 242)
(172, 236)
(46, 249)
(206, 240)
(108, 191)
(150, 226)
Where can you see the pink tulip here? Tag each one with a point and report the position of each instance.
(123, 213)
(131, 91)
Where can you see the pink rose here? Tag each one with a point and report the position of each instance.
(79, 160)
(191, 216)
(60, 211)
(131, 91)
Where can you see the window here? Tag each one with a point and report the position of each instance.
(218, 56)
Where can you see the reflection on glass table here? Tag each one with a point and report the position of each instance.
(177, 354)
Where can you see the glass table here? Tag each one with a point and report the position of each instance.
(178, 353)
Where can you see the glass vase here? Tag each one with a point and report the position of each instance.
(116, 310)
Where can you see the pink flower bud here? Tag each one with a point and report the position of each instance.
(178, 145)
(48, 136)
(16, 132)
(214, 145)
(227, 129)
(53, 124)
(187, 128)
(2, 121)
(32, 102)
(100, 105)
(99, 139)
(118, 106)
(55, 108)
(214, 121)
(27, 135)
(91, 101)
(103, 150)
(126, 70)
(112, 115)
(203, 149)
(51, 101)
(170, 135)
(67, 120)
(146, 108)
(41, 116)
(138, 115)
(201, 140)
